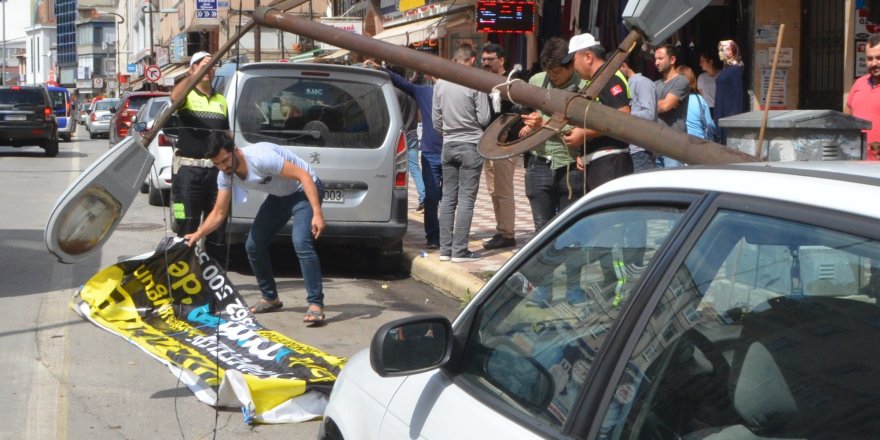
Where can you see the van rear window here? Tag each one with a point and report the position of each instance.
(315, 112)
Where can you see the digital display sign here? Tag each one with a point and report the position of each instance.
(513, 17)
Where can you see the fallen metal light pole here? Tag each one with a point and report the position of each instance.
(191, 81)
(578, 110)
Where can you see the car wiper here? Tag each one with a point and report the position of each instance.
(316, 134)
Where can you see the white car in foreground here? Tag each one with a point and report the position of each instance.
(728, 302)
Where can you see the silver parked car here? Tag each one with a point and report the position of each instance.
(98, 122)
(345, 122)
(158, 182)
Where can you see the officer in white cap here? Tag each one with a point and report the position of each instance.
(601, 156)
(194, 181)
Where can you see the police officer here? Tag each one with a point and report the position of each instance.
(194, 184)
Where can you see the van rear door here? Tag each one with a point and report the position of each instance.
(344, 122)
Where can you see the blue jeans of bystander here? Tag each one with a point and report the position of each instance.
(415, 171)
(432, 175)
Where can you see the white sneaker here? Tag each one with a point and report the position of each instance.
(445, 258)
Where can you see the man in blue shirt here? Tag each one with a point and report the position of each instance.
(431, 143)
(294, 191)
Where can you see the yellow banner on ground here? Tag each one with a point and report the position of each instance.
(178, 305)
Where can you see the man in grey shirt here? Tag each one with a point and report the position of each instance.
(459, 114)
(642, 105)
(672, 89)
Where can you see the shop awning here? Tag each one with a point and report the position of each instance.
(135, 85)
(406, 34)
(171, 72)
(409, 33)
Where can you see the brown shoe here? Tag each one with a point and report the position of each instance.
(499, 242)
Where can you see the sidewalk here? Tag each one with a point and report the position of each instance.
(465, 279)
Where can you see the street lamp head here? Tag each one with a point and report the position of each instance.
(121, 18)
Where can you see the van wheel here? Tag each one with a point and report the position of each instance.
(66, 137)
(51, 147)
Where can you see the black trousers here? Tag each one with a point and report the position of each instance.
(551, 191)
(193, 193)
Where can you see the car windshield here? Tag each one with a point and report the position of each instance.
(296, 111)
(135, 102)
(157, 108)
(21, 96)
(105, 105)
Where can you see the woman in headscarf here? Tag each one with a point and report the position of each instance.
(728, 85)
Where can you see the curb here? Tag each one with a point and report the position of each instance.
(443, 275)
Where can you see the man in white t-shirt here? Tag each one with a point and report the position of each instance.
(294, 191)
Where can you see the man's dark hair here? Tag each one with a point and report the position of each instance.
(670, 52)
(555, 49)
(494, 48)
(216, 141)
(711, 54)
(598, 51)
(874, 40)
(636, 60)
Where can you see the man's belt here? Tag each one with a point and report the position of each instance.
(596, 155)
(193, 162)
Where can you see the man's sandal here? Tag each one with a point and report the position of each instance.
(266, 307)
(313, 317)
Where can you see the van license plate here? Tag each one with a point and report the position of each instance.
(16, 117)
(334, 196)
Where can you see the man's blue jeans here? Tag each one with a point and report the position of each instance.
(415, 171)
(432, 174)
(272, 216)
(462, 166)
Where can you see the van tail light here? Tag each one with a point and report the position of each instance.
(400, 162)
(47, 113)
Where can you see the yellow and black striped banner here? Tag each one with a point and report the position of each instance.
(178, 305)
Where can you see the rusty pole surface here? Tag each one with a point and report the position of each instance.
(581, 112)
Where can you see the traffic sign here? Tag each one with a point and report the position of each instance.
(153, 73)
(206, 13)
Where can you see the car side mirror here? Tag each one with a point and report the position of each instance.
(140, 127)
(411, 345)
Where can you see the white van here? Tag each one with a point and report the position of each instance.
(346, 123)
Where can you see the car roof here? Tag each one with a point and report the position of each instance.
(839, 185)
(269, 66)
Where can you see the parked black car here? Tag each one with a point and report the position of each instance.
(27, 118)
